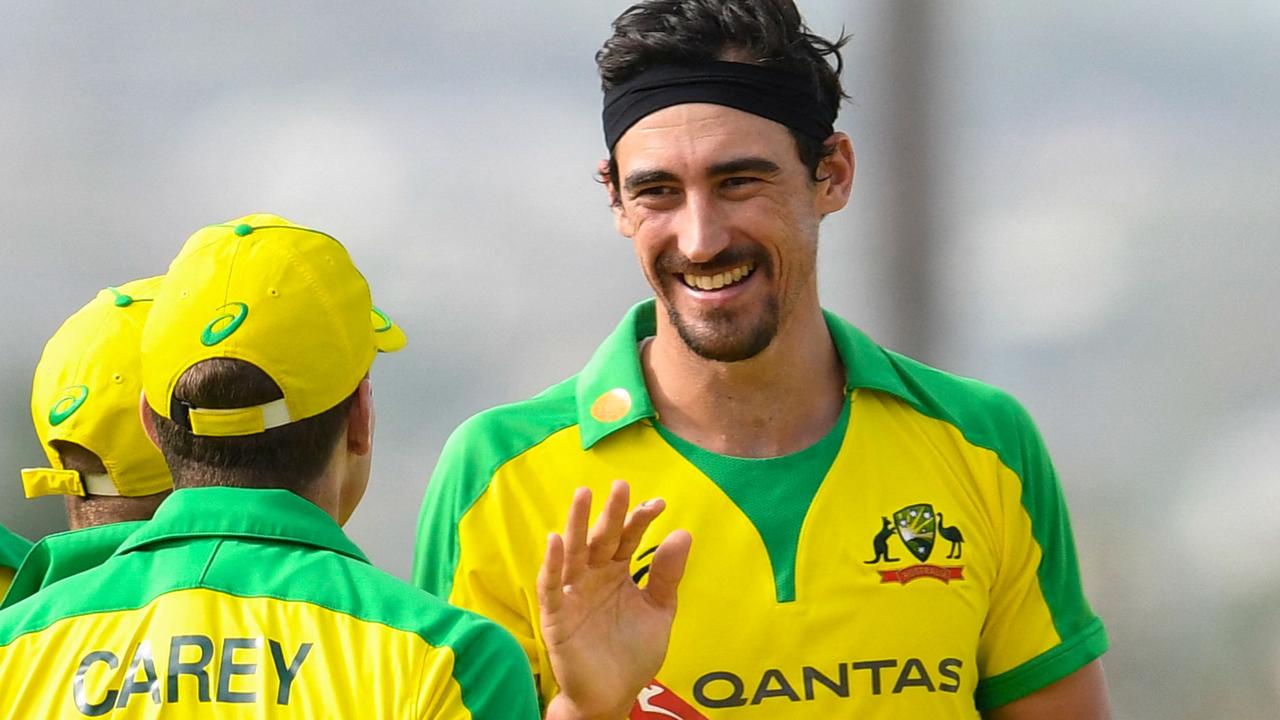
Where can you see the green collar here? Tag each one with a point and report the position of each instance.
(276, 515)
(13, 548)
(612, 395)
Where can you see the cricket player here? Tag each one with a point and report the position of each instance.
(243, 597)
(84, 405)
(872, 538)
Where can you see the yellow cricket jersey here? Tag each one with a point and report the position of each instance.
(235, 603)
(925, 569)
(61, 555)
(13, 548)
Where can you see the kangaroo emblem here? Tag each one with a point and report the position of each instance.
(881, 543)
(953, 534)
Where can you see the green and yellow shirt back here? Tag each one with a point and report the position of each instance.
(930, 573)
(236, 603)
(13, 548)
(60, 555)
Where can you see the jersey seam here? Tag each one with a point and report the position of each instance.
(359, 617)
(103, 611)
(422, 674)
(497, 467)
(212, 588)
(208, 564)
(492, 475)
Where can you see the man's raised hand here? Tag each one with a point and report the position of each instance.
(606, 637)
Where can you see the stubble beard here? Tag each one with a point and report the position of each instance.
(719, 334)
(724, 336)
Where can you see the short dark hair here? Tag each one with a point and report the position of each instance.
(290, 457)
(683, 32)
(93, 510)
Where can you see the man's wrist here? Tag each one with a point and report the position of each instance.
(563, 708)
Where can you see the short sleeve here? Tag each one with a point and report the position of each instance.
(1039, 627)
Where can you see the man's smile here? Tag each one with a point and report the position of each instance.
(718, 280)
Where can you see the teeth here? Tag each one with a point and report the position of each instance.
(719, 280)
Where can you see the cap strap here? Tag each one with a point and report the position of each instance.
(99, 485)
(39, 482)
(234, 422)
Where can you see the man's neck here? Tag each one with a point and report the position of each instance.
(776, 403)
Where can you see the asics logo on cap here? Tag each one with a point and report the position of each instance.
(213, 335)
(67, 404)
(386, 321)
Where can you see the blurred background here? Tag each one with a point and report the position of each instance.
(1078, 203)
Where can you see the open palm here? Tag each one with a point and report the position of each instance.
(607, 637)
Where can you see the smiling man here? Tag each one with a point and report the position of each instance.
(874, 538)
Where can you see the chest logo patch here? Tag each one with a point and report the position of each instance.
(918, 528)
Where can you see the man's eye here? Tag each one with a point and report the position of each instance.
(655, 191)
(739, 181)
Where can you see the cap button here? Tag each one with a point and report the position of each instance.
(121, 300)
(243, 229)
(611, 406)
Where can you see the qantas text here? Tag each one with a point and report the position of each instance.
(722, 689)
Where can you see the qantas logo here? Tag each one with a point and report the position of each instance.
(658, 702)
(772, 686)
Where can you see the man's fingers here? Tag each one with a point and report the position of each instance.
(603, 542)
(667, 569)
(550, 593)
(637, 523)
(575, 537)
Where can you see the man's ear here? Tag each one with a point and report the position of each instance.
(836, 171)
(360, 420)
(605, 178)
(148, 422)
(620, 220)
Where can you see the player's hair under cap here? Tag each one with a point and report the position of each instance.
(280, 296)
(85, 392)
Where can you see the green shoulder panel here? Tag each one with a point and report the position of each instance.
(13, 548)
(992, 419)
(64, 554)
(468, 462)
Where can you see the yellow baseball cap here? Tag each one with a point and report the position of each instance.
(283, 297)
(86, 390)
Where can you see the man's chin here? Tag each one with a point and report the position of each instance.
(723, 342)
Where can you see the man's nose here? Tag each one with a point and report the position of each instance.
(703, 231)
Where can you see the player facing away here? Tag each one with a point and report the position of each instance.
(812, 467)
(243, 597)
(84, 405)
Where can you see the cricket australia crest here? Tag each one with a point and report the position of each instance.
(917, 527)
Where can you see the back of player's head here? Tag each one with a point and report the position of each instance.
(290, 456)
(261, 334)
(84, 406)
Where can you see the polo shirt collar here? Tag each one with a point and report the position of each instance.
(275, 515)
(611, 393)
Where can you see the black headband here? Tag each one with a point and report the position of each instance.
(770, 92)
